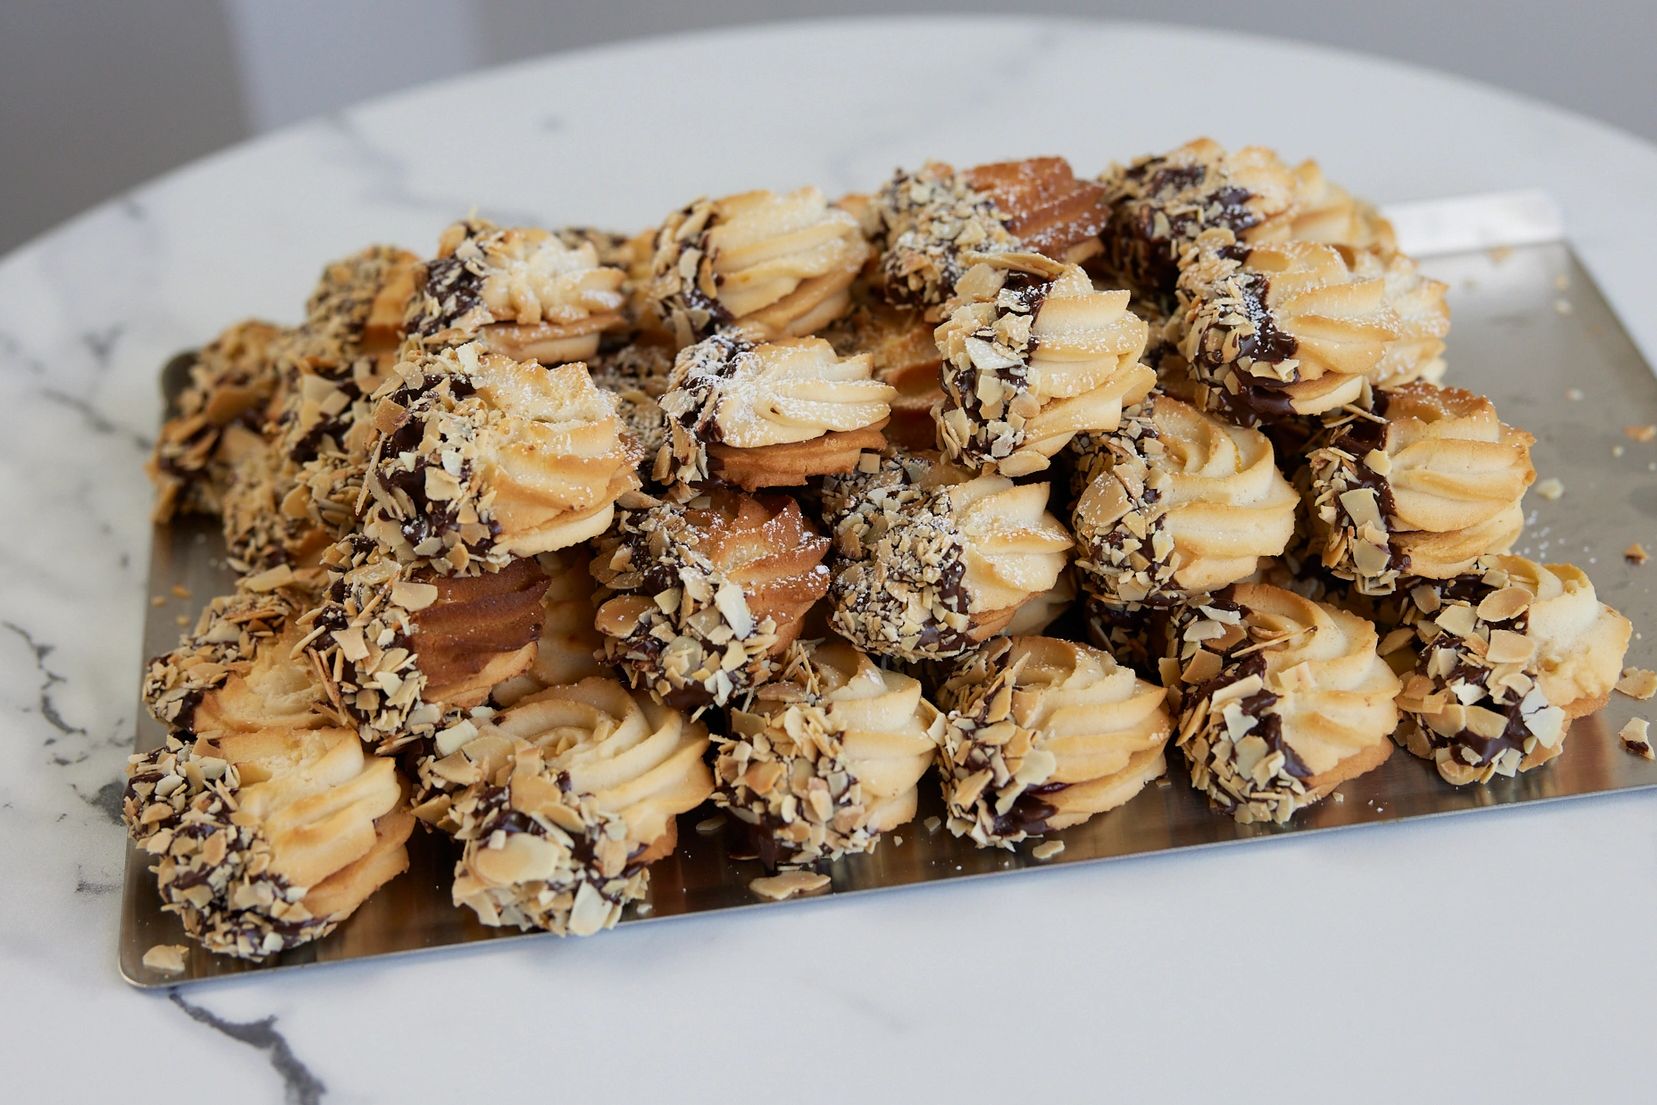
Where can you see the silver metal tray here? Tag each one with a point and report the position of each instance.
(1529, 327)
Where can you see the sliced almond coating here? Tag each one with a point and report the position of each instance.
(1047, 850)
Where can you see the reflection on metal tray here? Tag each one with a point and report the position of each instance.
(1529, 325)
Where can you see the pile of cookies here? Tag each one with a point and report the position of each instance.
(998, 476)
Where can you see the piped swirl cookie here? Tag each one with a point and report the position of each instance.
(769, 266)
(404, 651)
(526, 293)
(264, 403)
(235, 670)
(636, 374)
(1422, 485)
(298, 491)
(635, 758)
(825, 758)
(567, 645)
(1032, 356)
(540, 850)
(1160, 206)
(1036, 615)
(768, 415)
(1178, 503)
(856, 506)
(233, 381)
(357, 313)
(900, 344)
(1282, 699)
(1300, 328)
(263, 841)
(1042, 734)
(937, 570)
(927, 222)
(1508, 654)
(701, 599)
(479, 456)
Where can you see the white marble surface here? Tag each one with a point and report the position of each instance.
(1505, 956)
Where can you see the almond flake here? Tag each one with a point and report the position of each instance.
(1456, 620)
(1636, 738)
(166, 958)
(1504, 605)
(413, 596)
(270, 579)
(789, 883)
(1361, 504)
(1637, 683)
(1508, 647)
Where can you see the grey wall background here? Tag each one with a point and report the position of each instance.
(98, 95)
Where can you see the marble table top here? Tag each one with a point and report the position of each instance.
(1500, 956)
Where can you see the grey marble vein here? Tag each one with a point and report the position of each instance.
(385, 176)
(96, 421)
(84, 885)
(12, 352)
(299, 1085)
(101, 344)
(108, 798)
(45, 706)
